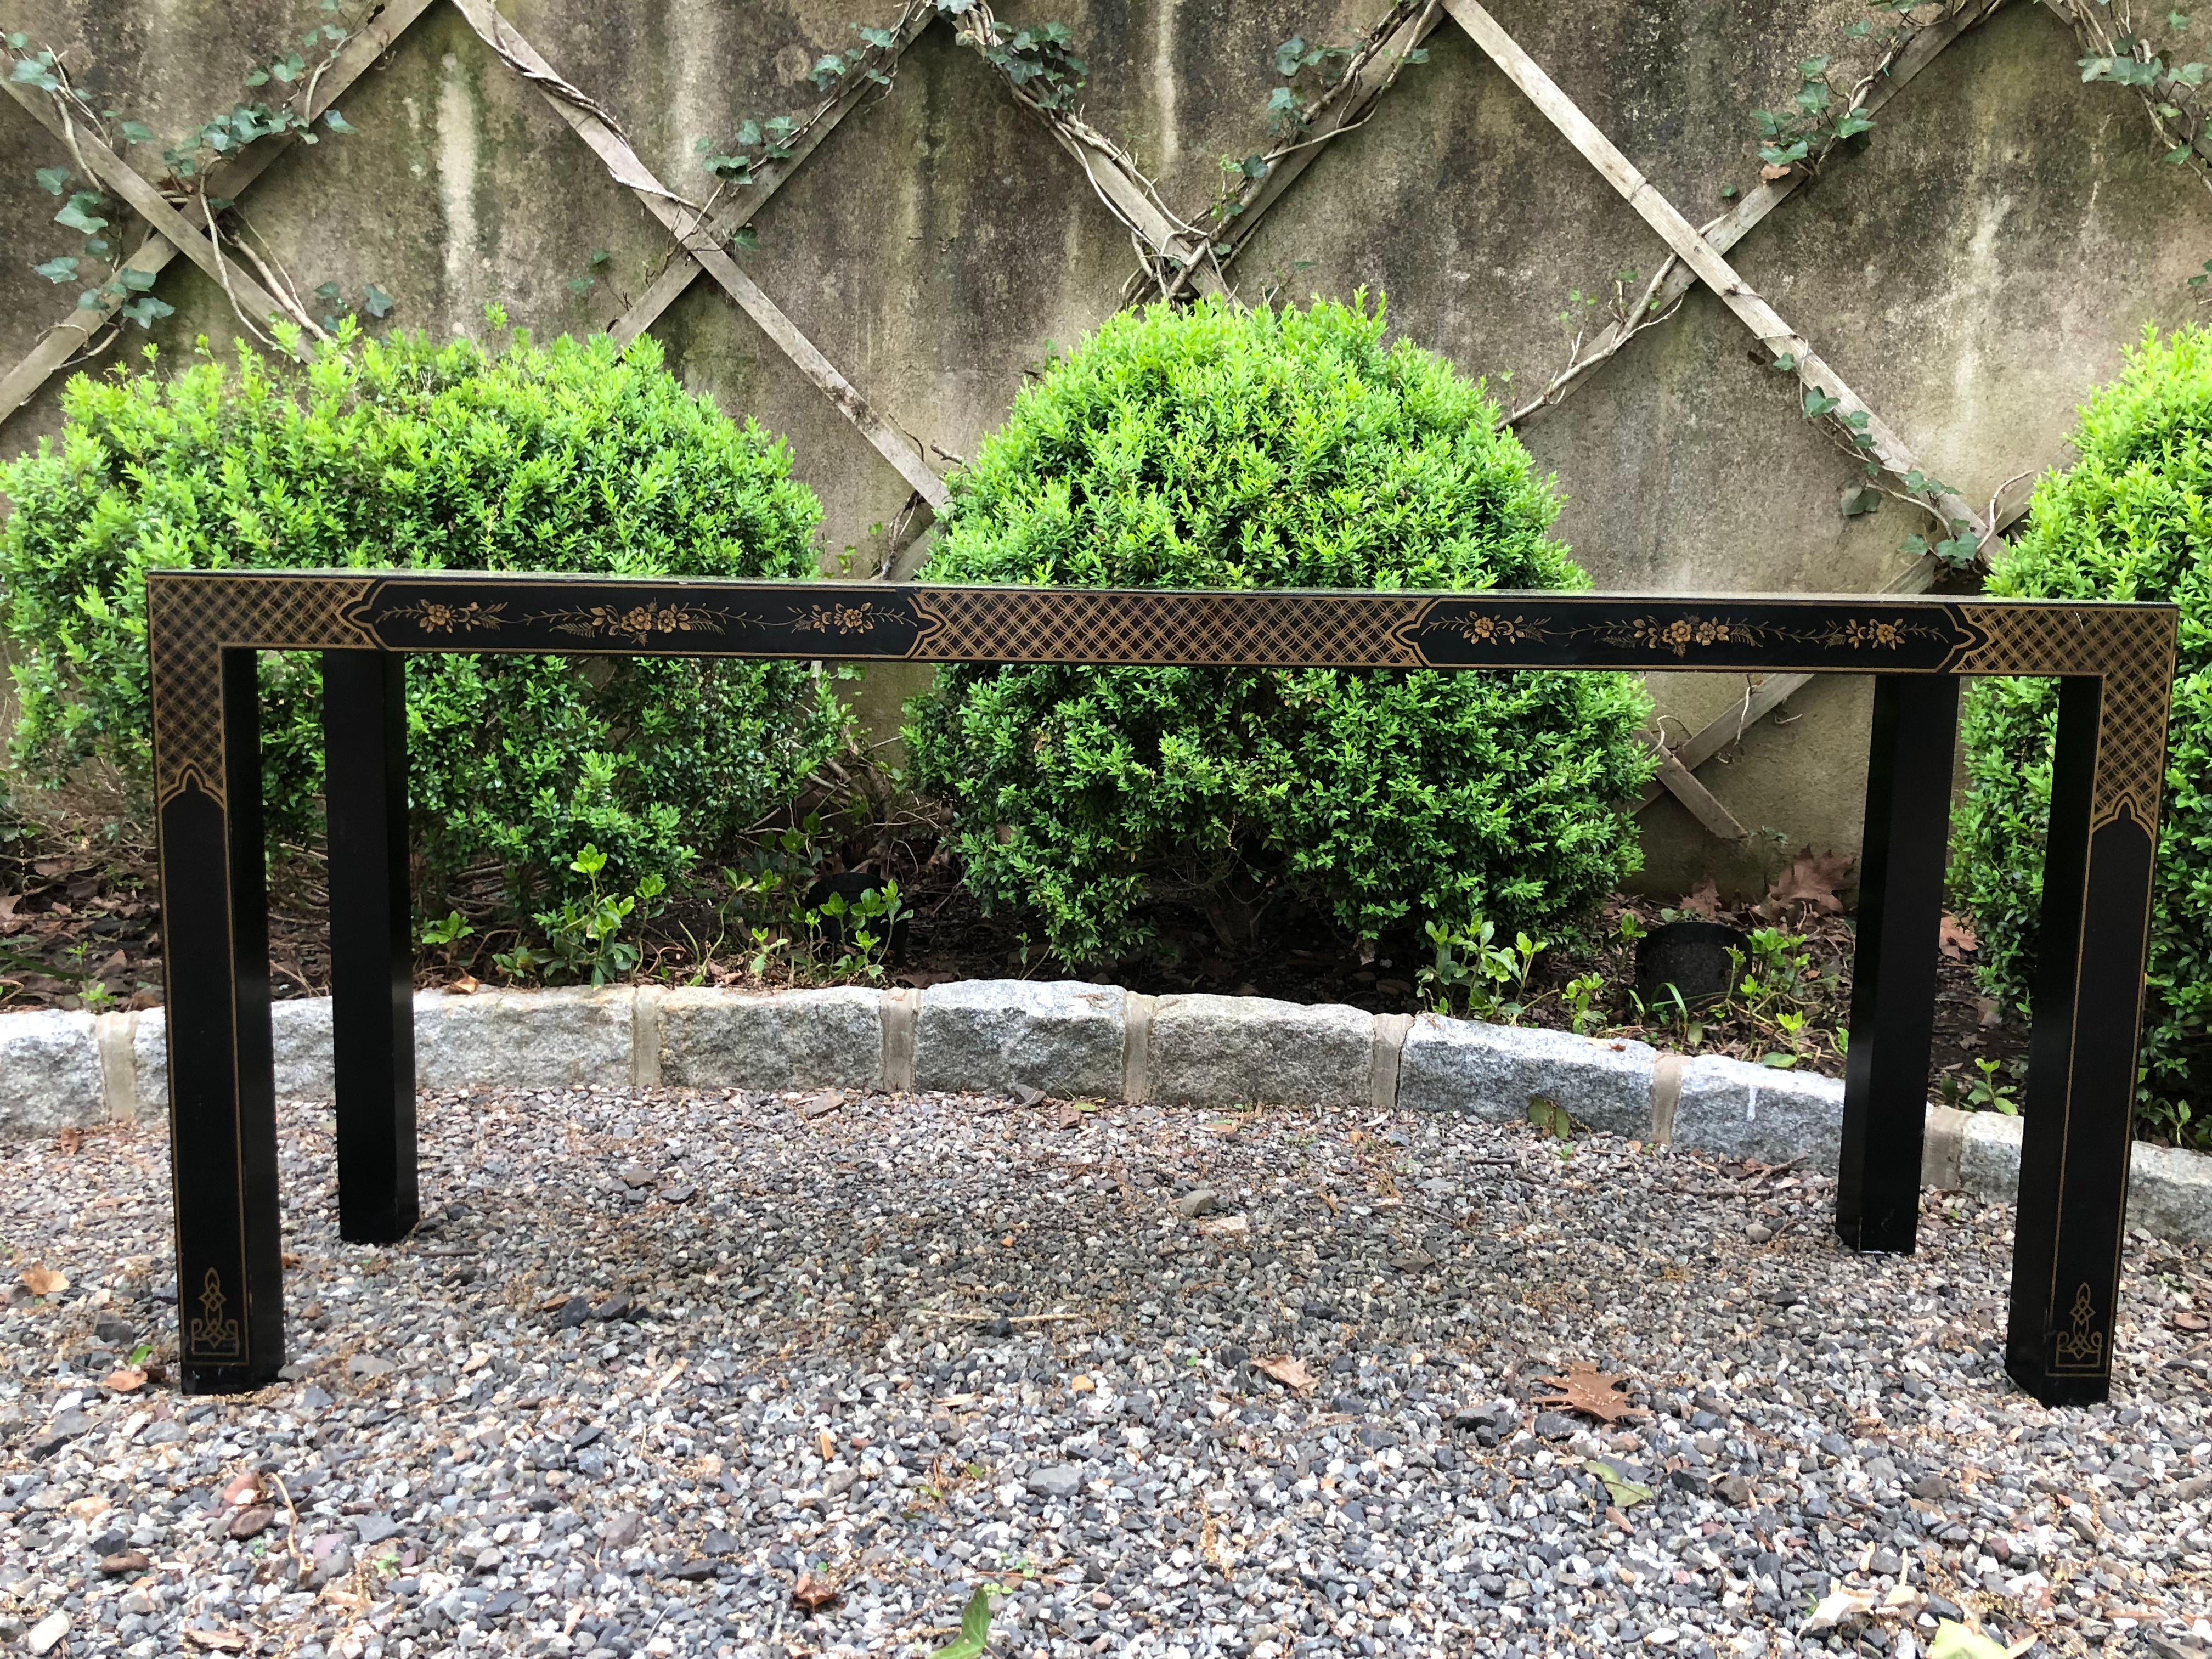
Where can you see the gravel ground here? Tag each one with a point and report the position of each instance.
(655, 1356)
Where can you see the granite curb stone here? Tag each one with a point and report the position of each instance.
(1063, 1036)
(61, 1069)
(831, 1038)
(50, 1074)
(1497, 1071)
(1230, 1051)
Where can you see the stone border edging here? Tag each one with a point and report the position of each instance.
(59, 1070)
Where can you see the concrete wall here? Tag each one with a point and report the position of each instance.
(1972, 271)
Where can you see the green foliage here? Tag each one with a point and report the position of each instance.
(572, 457)
(1224, 448)
(2132, 520)
(583, 936)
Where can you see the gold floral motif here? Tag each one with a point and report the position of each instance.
(1886, 635)
(638, 623)
(211, 1333)
(434, 618)
(1683, 632)
(837, 619)
(2084, 1345)
(1501, 630)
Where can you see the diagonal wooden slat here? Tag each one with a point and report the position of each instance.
(669, 285)
(1707, 261)
(357, 55)
(1353, 105)
(149, 203)
(894, 446)
(1672, 284)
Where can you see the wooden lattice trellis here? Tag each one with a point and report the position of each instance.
(1177, 255)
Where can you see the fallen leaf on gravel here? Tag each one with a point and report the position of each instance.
(42, 1280)
(1586, 1389)
(1956, 938)
(1288, 1370)
(813, 1594)
(974, 1635)
(245, 1489)
(1812, 878)
(2190, 1322)
(1835, 1608)
(69, 1139)
(251, 1523)
(1625, 1492)
(826, 1444)
(218, 1641)
(1772, 170)
(1952, 1640)
(128, 1380)
(124, 1564)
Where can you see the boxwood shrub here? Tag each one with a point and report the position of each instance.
(1226, 447)
(2131, 519)
(570, 457)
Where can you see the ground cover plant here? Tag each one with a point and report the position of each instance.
(1225, 446)
(574, 456)
(2131, 519)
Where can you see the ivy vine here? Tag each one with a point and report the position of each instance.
(98, 264)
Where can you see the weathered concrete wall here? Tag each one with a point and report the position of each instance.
(1972, 269)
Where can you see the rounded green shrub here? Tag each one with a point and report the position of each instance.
(571, 457)
(2131, 519)
(1226, 447)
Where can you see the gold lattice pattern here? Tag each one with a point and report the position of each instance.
(1166, 627)
(190, 621)
(2133, 650)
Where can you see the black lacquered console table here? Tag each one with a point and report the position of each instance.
(2116, 662)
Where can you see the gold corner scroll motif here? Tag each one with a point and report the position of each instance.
(213, 1334)
(2081, 1346)
(2131, 650)
(193, 617)
(1163, 626)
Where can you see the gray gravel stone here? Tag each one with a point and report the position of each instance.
(1732, 1109)
(995, 1035)
(49, 1073)
(1494, 1072)
(925, 1341)
(813, 1039)
(471, 1041)
(1227, 1051)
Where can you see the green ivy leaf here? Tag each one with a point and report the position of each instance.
(1817, 403)
(147, 310)
(975, 1623)
(337, 122)
(53, 180)
(136, 132)
(1290, 55)
(375, 301)
(1853, 124)
(62, 268)
(77, 213)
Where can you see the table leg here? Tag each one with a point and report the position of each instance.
(372, 950)
(223, 1109)
(2080, 1131)
(1901, 865)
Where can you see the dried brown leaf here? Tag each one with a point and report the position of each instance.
(1594, 1393)
(243, 1489)
(218, 1641)
(251, 1523)
(1812, 878)
(1288, 1370)
(1703, 900)
(1772, 171)
(1956, 937)
(813, 1594)
(127, 1380)
(42, 1280)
